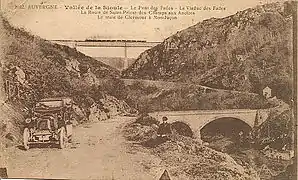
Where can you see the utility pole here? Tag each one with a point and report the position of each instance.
(268, 130)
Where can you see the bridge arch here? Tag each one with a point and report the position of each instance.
(228, 125)
(209, 120)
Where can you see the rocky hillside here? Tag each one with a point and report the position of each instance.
(116, 62)
(149, 96)
(33, 68)
(184, 157)
(245, 51)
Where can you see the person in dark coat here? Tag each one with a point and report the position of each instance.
(164, 129)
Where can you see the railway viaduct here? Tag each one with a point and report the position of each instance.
(197, 119)
(109, 43)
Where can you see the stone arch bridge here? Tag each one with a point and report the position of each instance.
(197, 119)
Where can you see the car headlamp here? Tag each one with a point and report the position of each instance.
(28, 120)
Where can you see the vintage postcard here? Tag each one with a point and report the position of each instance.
(148, 90)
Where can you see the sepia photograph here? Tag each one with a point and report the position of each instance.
(148, 90)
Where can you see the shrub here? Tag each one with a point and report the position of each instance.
(115, 87)
(146, 120)
(182, 129)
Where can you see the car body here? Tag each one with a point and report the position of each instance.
(49, 122)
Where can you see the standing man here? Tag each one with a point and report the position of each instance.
(164, 129)
(241, 138)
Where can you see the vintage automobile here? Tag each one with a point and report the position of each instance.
(49, 122)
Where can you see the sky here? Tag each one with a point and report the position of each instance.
(71, 24)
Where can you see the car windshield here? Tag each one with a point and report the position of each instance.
(49, 104)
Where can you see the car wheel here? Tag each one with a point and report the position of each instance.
(26, 136)
(62, 138)
(69, 132)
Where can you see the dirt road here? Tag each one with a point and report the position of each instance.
(98, 151)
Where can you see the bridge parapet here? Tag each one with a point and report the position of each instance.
(202, 112)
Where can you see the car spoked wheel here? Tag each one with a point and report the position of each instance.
(62, 138)
(26, 136)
